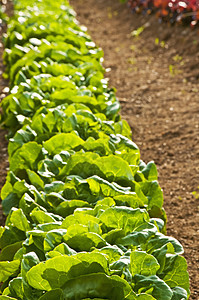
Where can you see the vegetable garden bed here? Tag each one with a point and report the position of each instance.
(54, 174)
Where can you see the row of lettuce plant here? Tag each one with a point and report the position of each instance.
(84, 213)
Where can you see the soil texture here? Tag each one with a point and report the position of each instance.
(155, 69)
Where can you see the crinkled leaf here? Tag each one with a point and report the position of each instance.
(62, 142)
(143, 263)
(9, 268)
(98, 286)
(158, 288)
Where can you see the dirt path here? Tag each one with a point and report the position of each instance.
(157, 79)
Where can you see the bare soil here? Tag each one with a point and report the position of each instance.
(157, 79)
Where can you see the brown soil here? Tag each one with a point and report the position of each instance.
(157, 85)
(161, 105)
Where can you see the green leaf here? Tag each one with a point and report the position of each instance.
(8, 268)
(29, 260)
(85, 241)
(122, 265)
(67, 208)
(7, 253)
(98, 286)
(19, 220)
(62, 142)
(179, 294)
(61, 249)
(26, 157)
(55, 272)
(123, 218)
(154, 193)
(21, 137)
(154, 285)
(114, 236)
(150, 171)
(40, 217)
(52, 295)
(115, 168)
(15, 288)
(101, 187)
(79, 218)
(9, 202)
(35, 180)
(11, 235)
(47, 168)
(53, 238)
(111, 168)
(140, 236)
(41, 276)
(112, 252)
(6, 190)
(55, 186)
(177, 275)
(99, 146)
(143, 263)
(160, 240)
(145, 297)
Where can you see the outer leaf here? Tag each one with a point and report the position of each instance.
(85, 241)
(62, 142)
(52, 295)
(51, 274)
(98, 286)
(8, 252)
(177, 275)
(123, 218)
(19, 220)
(15, 288)
(55, 272)
(143, 263)
(179, 294)
(157, 287)
(26, 157)
(8, 268)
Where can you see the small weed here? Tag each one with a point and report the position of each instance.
(136, 33)
(196, 193)
(177, 58)
(157, 41)
(172, 70)
(111, 13)
(132, 61)
(133, 47)
(162, 44)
